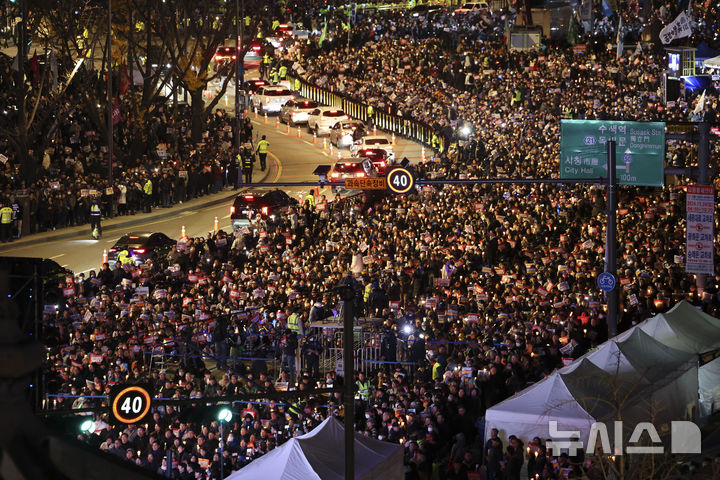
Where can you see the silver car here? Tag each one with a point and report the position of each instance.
(341, 134)
(271, 99)
(297, 111)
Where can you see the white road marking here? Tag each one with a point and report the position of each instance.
(57, 256)
(226, 216)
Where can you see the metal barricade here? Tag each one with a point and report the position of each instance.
(383, 120)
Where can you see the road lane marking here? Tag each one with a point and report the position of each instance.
(226, 216)
(56, 256)
(278, 164)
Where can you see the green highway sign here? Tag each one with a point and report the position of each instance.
(639, 150)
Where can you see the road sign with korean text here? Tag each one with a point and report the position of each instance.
(365, 183)
(700, 211)
(639, 148)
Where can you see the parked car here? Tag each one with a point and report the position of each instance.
(371, 141)
(322, 119)
(297, 111)
(271, 99)
(469, 7)
(139, 247)
(341, 134)
(268, 204)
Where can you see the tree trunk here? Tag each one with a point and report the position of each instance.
(197, 124)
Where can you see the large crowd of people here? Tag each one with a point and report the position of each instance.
(472, 292)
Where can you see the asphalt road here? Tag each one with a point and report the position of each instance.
(291, 159)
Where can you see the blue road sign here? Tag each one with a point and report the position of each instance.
(606, 281)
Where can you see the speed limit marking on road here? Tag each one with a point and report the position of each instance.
(400, 180)
(130, 404)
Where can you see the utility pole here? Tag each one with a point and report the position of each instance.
(239, 75)
(109, 95)
(347, 294)
(611, 240)
(25, 162)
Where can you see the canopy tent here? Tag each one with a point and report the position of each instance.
(688, 329)
(631, 376)
(712, 63)
(704, 52)
(320, 455)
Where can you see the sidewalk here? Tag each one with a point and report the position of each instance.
(137, 219)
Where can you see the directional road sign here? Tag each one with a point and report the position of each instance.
(606, 281)
(640, 150)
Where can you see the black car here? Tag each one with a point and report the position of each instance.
(140, 247)
(268, 204)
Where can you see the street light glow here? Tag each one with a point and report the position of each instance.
(87, 426)
(225, 415)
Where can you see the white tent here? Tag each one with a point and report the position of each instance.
(688, 329)
(712, 63)
(631, 376)
(320, 455)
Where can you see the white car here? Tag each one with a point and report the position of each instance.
(322, 119)
(473, 7)
(341, 134)
(371, 141)
(297, 111)
(271, 99)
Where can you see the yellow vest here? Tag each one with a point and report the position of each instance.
(147, 188)
(293, 323)
(5, 215)
(263, 146)
(310, 198)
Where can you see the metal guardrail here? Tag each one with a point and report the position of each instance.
(405, 127)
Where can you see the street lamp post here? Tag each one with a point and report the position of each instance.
(225, 415)
(239, 72)
(109, 95)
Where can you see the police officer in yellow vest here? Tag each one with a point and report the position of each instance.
(275, 25)
(95, 216)
(435, 142)
(282, 71)
(147, 197)
(262, 151)
(294, 323)
(247, 20)
(310, 198)
(265, 65)
(123, 257)
(363, 388)
(5, 222)
(370, 113)
(274, 75)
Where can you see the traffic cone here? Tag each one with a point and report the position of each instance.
(314, 138)
(317, 191)
(287, 129)
(256, 113)
(324, 144)
(422, 154)
(299, 135)
(374, 130)
(216, 225)
(265, 118)
(331, 149)
(277, 122)
(339, 155)
(104, 256)
(182, 232)
(392, 139)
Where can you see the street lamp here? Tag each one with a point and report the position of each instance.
(225, 415)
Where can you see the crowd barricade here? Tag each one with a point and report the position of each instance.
(405, 127)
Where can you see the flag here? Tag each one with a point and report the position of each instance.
(323, 35)
(678, 28)
(638, 50)
(700, 104)
(607, 11)
(619, 52)
(35, 69)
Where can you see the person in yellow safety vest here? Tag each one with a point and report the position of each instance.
(437, 370)
(147, 198)
(310, 198)
(435, 142)
(517, 98)
(297, 84)
(265, 65)
(5, 223)
(294, 323)
(295, 409)
(275, 25)
(486, 62)
(95, 216)
(259, 34)
(282, 71)
(262, 151)
(274, 76)
(123, 257)
(363, 388)
(247, 20)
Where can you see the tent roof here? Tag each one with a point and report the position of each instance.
(319, 455)
(712, 62)
(684, 328)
